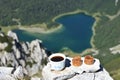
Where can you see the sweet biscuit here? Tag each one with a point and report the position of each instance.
(76, 61)
(89, 60)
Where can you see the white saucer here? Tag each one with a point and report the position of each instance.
(84, 67)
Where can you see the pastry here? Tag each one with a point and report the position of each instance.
(89, 60)
(76, 61)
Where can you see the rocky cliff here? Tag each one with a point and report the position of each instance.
(20, 59)
(83, 72)
(30, 55)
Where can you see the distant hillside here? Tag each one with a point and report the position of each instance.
(27, 12)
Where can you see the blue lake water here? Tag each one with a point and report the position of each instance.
(75, 34)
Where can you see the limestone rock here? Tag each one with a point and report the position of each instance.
(10, 73)
(6, 70)
(1, 34)
(30, 55)
(35, 78)
(3, 45)
(84, 76)
(84, 72)
(19, 73)
(56, 75)
(6, 77)
(101, 75)
(13, 35)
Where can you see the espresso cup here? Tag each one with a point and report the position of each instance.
(57, 61)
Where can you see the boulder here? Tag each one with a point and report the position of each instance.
(83, 72)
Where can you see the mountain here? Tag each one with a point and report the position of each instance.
(30, 55)
(14, 12)
(33, 13)
(30, 59)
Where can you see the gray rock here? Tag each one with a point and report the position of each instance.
(84, 76)
(36, 78)
(30, 55)
(19, 73)
(83, 72)
(8, 73)
(13, 35)
(56, 75)
(6, 77)
(3, 45)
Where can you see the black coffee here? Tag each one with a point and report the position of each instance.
(57, 58)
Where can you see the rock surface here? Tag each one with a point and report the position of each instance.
(10, 73)
(18, 59)
(30, 55)
(84, 72)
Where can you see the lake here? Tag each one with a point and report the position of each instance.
(75, 34)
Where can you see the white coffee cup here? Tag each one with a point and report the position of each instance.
(57, 61)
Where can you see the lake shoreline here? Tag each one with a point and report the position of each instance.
(68, 13)
(46, 31)
(41, 30)
(86, 13)
(93, 27)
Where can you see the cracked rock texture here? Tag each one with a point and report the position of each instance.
(84, 72)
